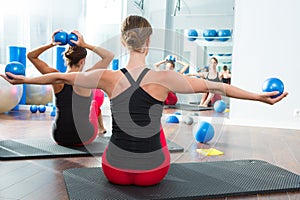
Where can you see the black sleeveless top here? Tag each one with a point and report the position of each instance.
(217, 79)
(226, 80)
(72, 125)
(136, 118)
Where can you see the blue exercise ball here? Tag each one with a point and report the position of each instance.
(171, 58)
(177, 113)
(172, 119)
(205, 132)
(72, 36)
(42, 108)
(224, 33)
(53, 112)
(273, 84)
(33, 108)
(16, 68)
(192, 35)
(220, 106)
(61, 37)
(209, 34)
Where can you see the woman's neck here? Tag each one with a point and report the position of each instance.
(75, 68)
(213, 70)
(136, 60)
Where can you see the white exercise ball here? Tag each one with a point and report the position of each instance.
(10, 95)
(38, 94)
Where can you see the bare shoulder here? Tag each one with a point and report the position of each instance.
(110, 74)
(162, 75)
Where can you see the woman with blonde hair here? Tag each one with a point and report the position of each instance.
(137, 153)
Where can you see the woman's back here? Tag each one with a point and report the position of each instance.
(136, 123)
(72, 124)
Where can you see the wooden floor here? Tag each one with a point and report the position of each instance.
(42, 178)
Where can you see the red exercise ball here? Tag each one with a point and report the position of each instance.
(98, 96)
(171, 99)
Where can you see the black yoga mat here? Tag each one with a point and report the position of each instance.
(188, 181)
(189, 107)
(46, 148)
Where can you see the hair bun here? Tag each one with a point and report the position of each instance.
(132, 40)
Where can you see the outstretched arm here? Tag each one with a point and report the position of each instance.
(82, 79)
(183, 84)
(106, 55)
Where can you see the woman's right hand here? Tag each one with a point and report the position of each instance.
(266, 97)
(14, 79)
(80, 41)
(53, 42)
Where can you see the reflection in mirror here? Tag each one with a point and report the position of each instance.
(207, 27)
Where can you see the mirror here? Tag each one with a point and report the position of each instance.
(193, 19)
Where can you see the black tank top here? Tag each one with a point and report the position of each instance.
(136, 118)
(217, 79)
(72, 125)
(226, 80)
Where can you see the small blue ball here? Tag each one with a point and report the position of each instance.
(220, 106)
(53, 113)
(172, 119)
(171, 58)
(16, 68)
(273, 84)
(177, 113)
(42, 108)
(72, 36)
(33, 108)
(61, 37)
(205, 132)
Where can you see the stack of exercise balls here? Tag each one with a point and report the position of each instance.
(10, 95)
(212, 34)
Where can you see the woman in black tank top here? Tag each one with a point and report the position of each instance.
(213, 76)
(226, 75)
(137, 153)
(74, 123)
